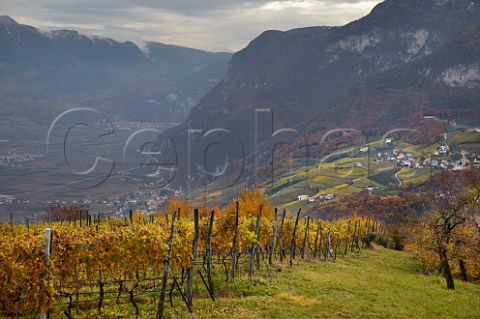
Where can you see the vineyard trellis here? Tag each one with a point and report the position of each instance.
(96, 259)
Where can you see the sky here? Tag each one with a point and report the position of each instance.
(214, 25)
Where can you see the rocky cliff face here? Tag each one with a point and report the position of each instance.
(447, 79)
(460, 76)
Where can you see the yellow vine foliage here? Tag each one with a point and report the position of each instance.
(24, 270)
(117, 250)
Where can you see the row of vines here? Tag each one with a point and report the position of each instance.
(143, 252)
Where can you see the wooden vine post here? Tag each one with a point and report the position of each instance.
(274, 240)
(255, 243)
(292, 246)
(166, 271)
(280, 243)
(209, 253)
(48, 250)
(315, 245)
(305, 237)
(354, 237)
(235, 243)
(359, 235)
(346, 238)
(328, 246)
(194, 253)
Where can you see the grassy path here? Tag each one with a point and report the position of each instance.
(377, 284)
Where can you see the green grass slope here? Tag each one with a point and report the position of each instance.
(377, 284)
(374, 284)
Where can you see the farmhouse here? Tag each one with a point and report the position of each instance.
(303, 197)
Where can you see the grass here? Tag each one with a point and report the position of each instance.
(469, 147)
(384, 178)
(377, 283)
(459, 138)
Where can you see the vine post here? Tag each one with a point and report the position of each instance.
(235, 243)
(274, 240)
(166, 271)
(292, 246)
(194, 252)
(209, 252)
(255, 243)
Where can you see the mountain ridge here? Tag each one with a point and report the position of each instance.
(103, 73)
(301, 75)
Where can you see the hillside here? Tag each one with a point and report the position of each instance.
(313, 80)
(447, 79)
(64, 67)
(376, 284)
(44, 74)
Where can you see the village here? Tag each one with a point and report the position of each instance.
(13, 159)
(151, 201)
(443, 158)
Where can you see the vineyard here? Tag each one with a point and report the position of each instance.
(64, 267)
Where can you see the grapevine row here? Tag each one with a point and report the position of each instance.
(133, 251)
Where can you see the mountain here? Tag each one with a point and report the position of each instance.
(304, 77)
(66, 67)
(447, 80)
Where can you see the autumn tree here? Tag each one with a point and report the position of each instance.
(450, 196)
(179, 205)
(250, 201)
(65, 213)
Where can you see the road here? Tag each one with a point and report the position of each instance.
(398, 179)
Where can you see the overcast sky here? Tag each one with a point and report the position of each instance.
(205, 24)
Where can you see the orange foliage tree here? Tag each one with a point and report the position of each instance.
(448, 235)
(250, 201)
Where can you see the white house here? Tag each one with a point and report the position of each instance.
(303, 197)
(327, 196)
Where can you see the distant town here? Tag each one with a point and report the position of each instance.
(146, 201)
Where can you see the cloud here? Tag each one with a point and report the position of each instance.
(204, 24)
